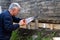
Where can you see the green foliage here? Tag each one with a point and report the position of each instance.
(15, 36)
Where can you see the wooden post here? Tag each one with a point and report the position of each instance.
(0, 9)
(51, 26)
(28, 26)
(36, 24)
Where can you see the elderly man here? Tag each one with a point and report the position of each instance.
(7, 18)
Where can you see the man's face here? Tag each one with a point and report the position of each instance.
(16, 11)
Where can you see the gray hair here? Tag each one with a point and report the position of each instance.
(13, 5)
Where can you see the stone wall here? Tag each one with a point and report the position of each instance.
(5, 4)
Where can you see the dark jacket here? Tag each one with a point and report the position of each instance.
(6, 25)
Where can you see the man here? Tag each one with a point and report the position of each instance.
(6, 21)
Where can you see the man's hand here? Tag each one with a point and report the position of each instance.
(22, 22)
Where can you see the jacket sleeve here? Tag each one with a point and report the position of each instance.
(16, 20)
(8, 24)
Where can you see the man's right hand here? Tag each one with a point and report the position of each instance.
(22, 22)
